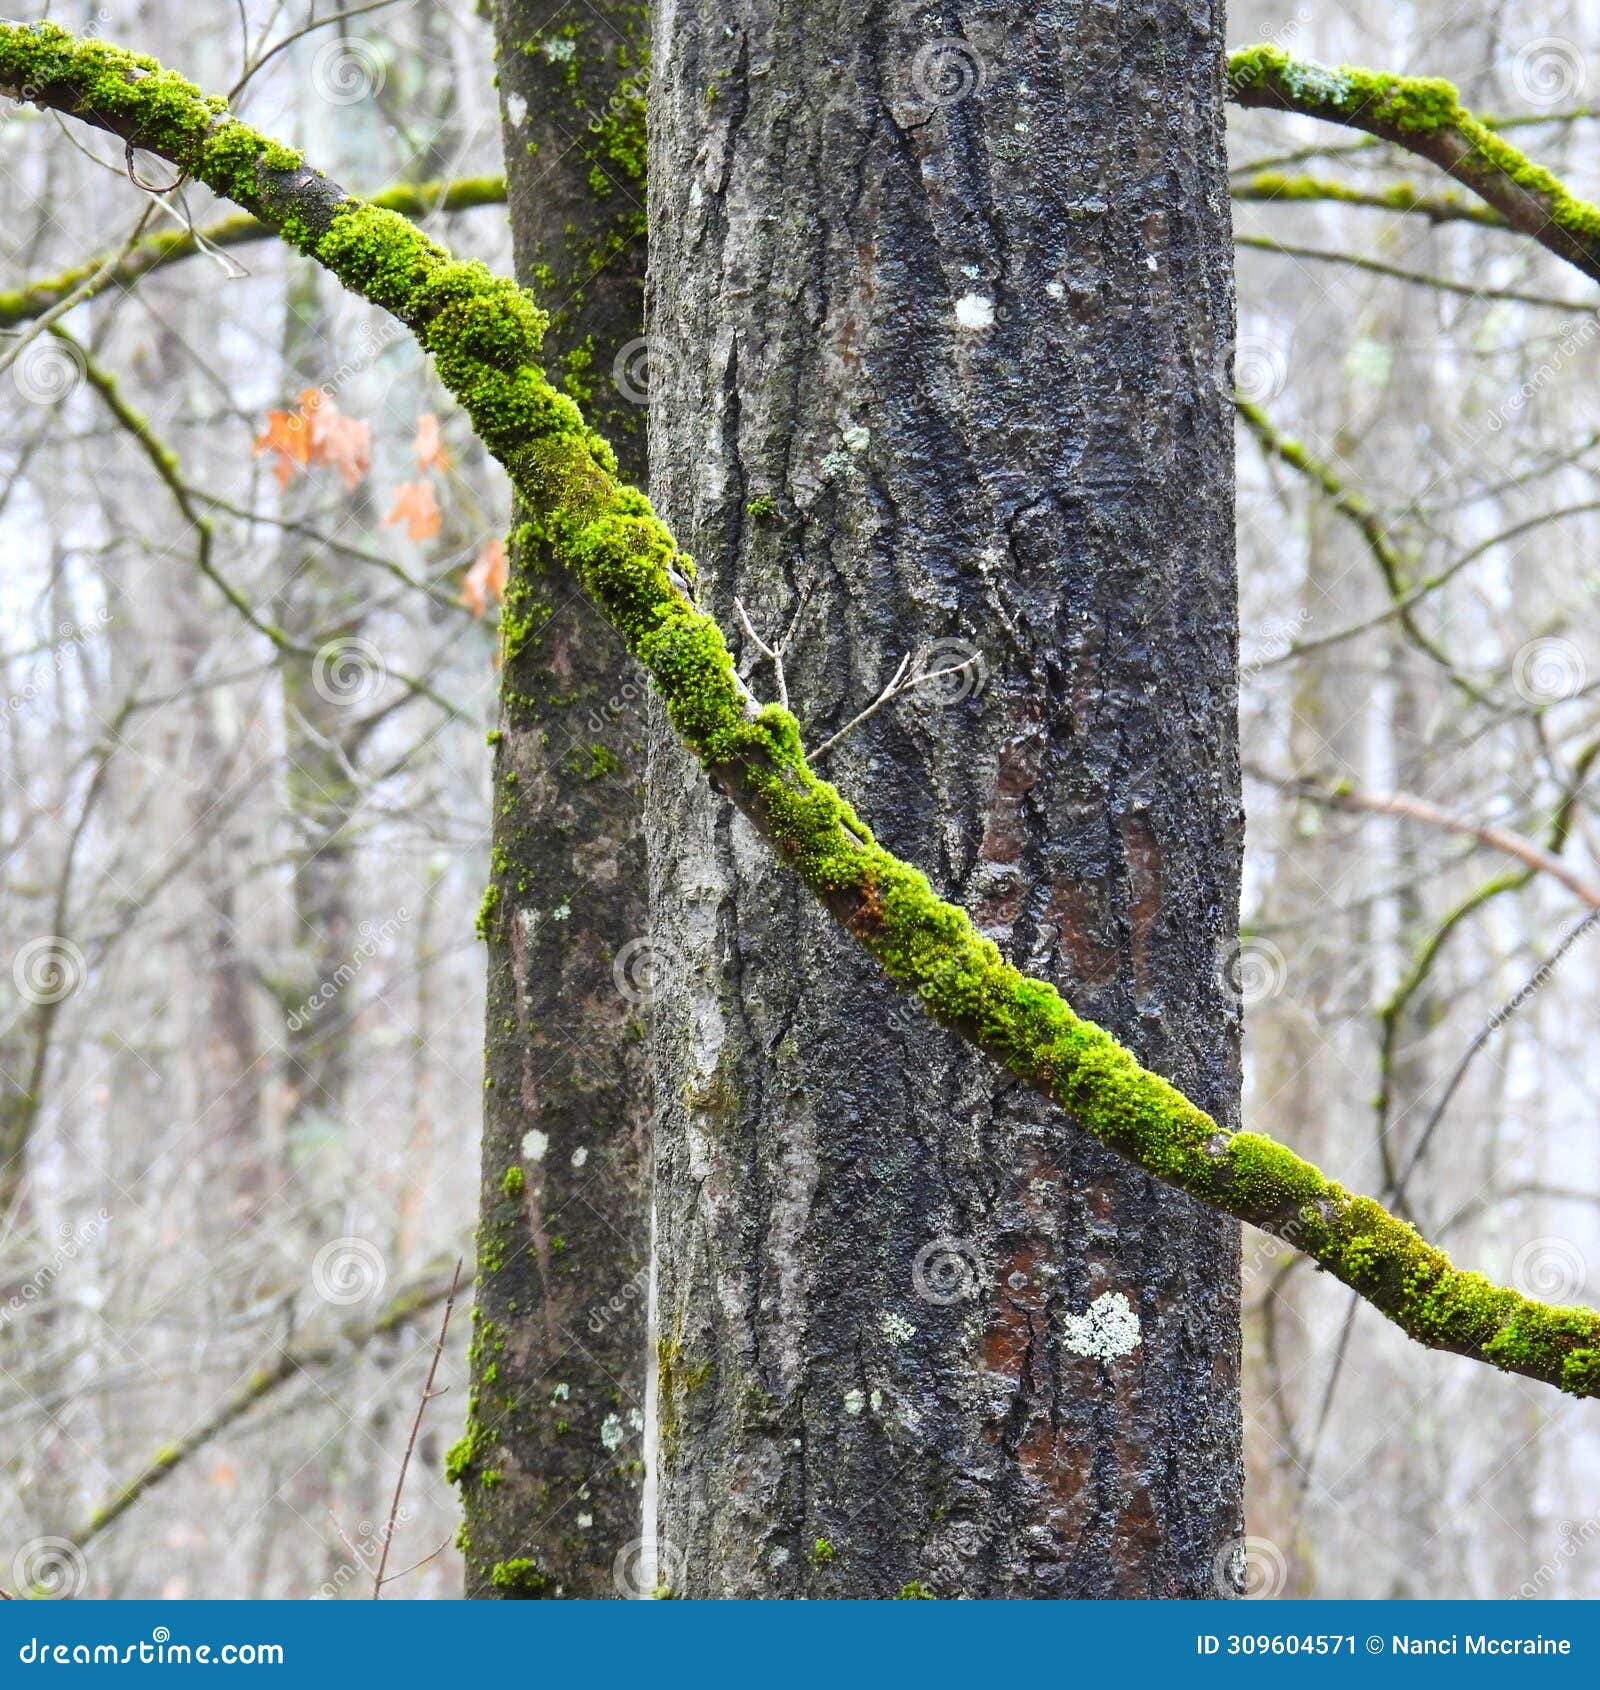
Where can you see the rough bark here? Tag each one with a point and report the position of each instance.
(946, 326)
(552, 1470)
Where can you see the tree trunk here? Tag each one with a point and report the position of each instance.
(552, 1463)
(942, 333)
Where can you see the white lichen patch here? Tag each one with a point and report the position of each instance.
(516, 110)
(561, 1393)
(896, 1328)
(778, 1558)
(1055, 290)
(534, 1145)
(558, 49)
(1108, 1328)
(611, 1433)
(1311, 81)
(585, 1521)
(580, 1156)
(854, 1402)
(857, 439)
(975, 311)
(875, 1401)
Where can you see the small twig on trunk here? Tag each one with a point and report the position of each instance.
(428, 1394)
(902, 683)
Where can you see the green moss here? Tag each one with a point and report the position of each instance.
(485, 918)
(512, 1182)
(1414, 111)
(466, 1452)
(915, 1591)
(601, 761)
(520, 1577)
(821, 1552)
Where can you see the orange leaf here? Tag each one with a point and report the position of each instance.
(342, 442)
(317, 433)
(289, 437)
(428, 446)
(416, 507)
(487, 575)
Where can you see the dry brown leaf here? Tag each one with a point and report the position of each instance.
(416, 507)
(487, 575)
(428, 446)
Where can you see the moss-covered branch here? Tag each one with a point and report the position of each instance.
(1425, 116)
(286, 1363)
(1277, 187)
(155, 252)
(484, 335)
(1387, 552)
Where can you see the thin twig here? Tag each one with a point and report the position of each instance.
(428, 1394)
(902, 683)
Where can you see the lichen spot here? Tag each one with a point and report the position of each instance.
(534, 1145)
(896, 1328)
(1108, 1328)
(975, 311)
(1055, 290)
(857, 439)
(516, 110)
(854, 1402)
(611, 1433)
(559, 48)
(585, 1521)
(580, 1156)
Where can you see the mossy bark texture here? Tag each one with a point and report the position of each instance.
(954, 316)
(552, 1489)
(485, 334)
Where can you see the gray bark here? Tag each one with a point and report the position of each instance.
(552, 1496)
(960, 308)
